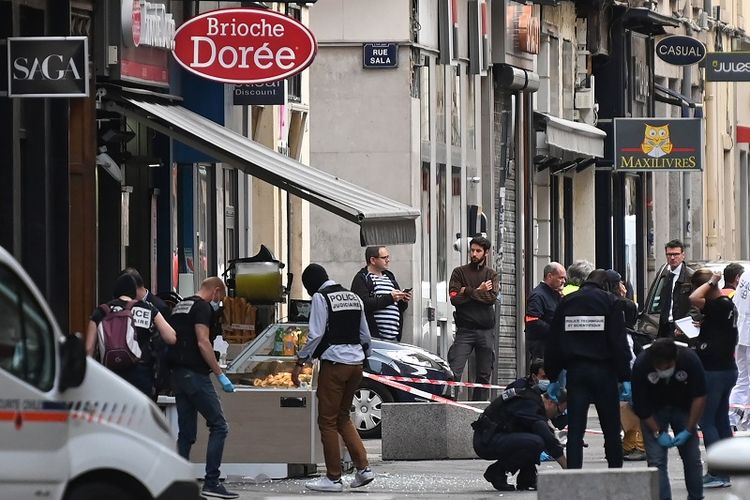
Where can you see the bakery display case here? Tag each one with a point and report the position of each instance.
(273, 427)
(267, 362)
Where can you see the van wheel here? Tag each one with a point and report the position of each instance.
(98, 491)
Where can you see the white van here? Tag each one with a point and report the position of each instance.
(69, 428)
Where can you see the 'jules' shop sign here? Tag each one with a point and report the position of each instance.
(48, 67)
(658, 144)
(244, 46)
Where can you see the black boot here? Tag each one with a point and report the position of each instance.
(498, 476)
(526, 480)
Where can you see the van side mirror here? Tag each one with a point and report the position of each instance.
(72, 362)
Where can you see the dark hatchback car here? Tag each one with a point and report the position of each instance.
(404, 360)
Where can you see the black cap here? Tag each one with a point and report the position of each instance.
(313, 278)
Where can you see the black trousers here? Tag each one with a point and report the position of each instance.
(513, 451)
(596, 382)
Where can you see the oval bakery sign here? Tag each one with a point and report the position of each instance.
(680, 50)
(244, 46)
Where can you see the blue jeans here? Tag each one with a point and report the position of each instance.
(715, 420)
(194, 393)
(689, 452)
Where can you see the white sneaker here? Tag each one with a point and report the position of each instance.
(362, 477)
(325, 484)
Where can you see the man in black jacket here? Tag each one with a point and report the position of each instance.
(384, 302)
(676, 288)
(514, 429)
(587, 338)
(541, 307)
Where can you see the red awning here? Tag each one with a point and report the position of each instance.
(743, 134)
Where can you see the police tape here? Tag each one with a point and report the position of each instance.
(422, 394)
(451, 383)
(387, 380)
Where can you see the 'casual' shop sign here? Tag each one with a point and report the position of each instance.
(244, 46)
(680, 50)
(658, 144)
(48, 67)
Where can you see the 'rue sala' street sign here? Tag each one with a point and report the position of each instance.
(380, 55)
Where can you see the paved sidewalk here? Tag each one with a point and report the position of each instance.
(456, 479)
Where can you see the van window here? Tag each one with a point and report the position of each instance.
(655, 306)
(26, 349)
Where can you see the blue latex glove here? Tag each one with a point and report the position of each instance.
(544, 457)
(553, 390)
(681, 438)
(665, 440)
(626, 392)
(226, 384)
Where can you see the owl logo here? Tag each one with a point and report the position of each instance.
(656, 141)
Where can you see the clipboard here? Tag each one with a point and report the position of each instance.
(687, 327)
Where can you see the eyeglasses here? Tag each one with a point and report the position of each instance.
(384, 257)
(674, 254)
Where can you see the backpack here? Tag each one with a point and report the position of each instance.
(118, 340)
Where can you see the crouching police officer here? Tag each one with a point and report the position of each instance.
(514, 429)
(587, 337)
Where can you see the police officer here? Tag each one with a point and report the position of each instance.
(588, 338)
(340, 338)
(514, 429)
(669, 389)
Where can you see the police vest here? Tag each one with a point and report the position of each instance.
(185, 353)
(344, 316)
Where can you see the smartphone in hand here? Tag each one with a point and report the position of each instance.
(408, 290)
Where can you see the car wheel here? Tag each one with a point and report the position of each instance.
(367, 408)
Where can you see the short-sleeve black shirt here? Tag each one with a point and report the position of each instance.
(650, 393)
(718, 338)
(185, 315)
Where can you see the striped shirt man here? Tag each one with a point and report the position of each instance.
(381, 295)
(388, 319)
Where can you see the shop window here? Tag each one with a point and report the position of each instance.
(440, 97)
(26, 350)
(231, 240)
(442, 224)
(456, 106)
(294, 88)
(471, 114)
(569, 79)
(297, 126)
(554, 76)
(205, 257)
(294, 83)
(426, 220)
(424, 101)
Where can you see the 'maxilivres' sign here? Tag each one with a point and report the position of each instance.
(658, 144)
(48, 67)
(244, 46)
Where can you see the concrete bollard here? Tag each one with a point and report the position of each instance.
(632, 483)
(428, 431)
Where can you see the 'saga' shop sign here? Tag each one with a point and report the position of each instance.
(244, 46)
(48, 67)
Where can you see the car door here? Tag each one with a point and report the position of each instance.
(33, 424)
(648, 320)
